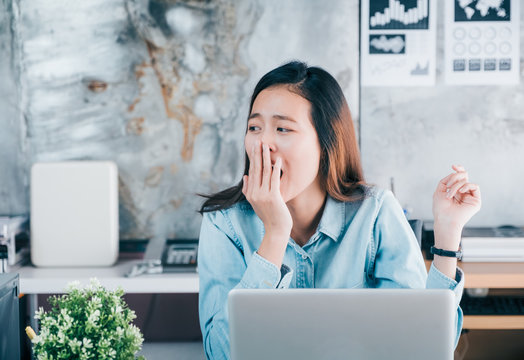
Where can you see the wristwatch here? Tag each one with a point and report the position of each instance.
(446, 253)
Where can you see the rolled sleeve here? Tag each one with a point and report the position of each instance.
(262, 274)
(437, 280)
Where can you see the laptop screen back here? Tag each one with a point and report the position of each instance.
(342, 324)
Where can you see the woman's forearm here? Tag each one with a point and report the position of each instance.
(447, 237)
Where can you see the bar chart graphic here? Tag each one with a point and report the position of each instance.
(398, 14)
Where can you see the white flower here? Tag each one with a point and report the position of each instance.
(119, 332)
(93, 317)
(87, 344)
(61, 337)
(96, 302)
(117, 309)
(75, 344)
(39, 313)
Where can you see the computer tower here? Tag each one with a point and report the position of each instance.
(9, 317)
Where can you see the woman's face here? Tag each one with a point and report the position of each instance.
(282, 119)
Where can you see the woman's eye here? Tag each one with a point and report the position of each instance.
(284, 130)
(253, 128)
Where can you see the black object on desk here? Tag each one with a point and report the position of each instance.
(167, 256)
(492, 305)
(180, 255)
(9, 317)
(3, 258)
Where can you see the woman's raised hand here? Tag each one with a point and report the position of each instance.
(262, 189)
(455, 201)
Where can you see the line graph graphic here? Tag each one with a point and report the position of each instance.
(398, 14)
(387, 44)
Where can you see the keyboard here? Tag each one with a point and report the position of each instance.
(492, 305)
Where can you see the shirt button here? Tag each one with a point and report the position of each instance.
(304, 256)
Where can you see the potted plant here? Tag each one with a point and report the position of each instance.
(86, 323)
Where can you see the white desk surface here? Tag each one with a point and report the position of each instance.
(34, 280)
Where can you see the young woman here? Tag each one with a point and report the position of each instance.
(302, 216)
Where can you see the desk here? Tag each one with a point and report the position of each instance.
(493, 276)
(34, 280)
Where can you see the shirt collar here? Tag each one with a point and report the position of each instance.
(333, 218)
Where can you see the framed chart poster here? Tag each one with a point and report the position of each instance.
(398, 42)
(482, 42)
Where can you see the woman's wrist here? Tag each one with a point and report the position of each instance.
(447, 236)
(278, 231)
(273, 246)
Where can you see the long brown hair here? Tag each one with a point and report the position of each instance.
(340, 166)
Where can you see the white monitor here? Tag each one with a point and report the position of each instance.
(371, 324)
(74, 213)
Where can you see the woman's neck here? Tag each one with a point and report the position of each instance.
(306, 210)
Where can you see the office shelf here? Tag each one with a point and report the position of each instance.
(489, 322)
(491, 275)
(35, 280)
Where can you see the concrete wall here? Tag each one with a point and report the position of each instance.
(13, 181)
(160, 87)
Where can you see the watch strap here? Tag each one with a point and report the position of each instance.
(446, 253)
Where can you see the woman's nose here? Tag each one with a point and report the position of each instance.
(268, 139)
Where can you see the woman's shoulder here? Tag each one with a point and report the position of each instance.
(240, 211)
(374, 198)
(241, 207)
(374, 193)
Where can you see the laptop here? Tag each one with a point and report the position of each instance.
(332, 324)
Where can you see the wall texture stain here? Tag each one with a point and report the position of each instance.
(135, 126)
(160, 87)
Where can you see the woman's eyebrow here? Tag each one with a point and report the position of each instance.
(283, 117)
(276, 116)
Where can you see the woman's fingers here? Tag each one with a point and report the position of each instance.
(266, 167)
(456, 177)
(458, 167)
(251, 156)
(257, 165)
(275, 176)
(444, 182)
(471, 190)
(452, 190)
(244, 184)
(467, 187)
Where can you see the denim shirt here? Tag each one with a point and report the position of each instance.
(364, 244)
